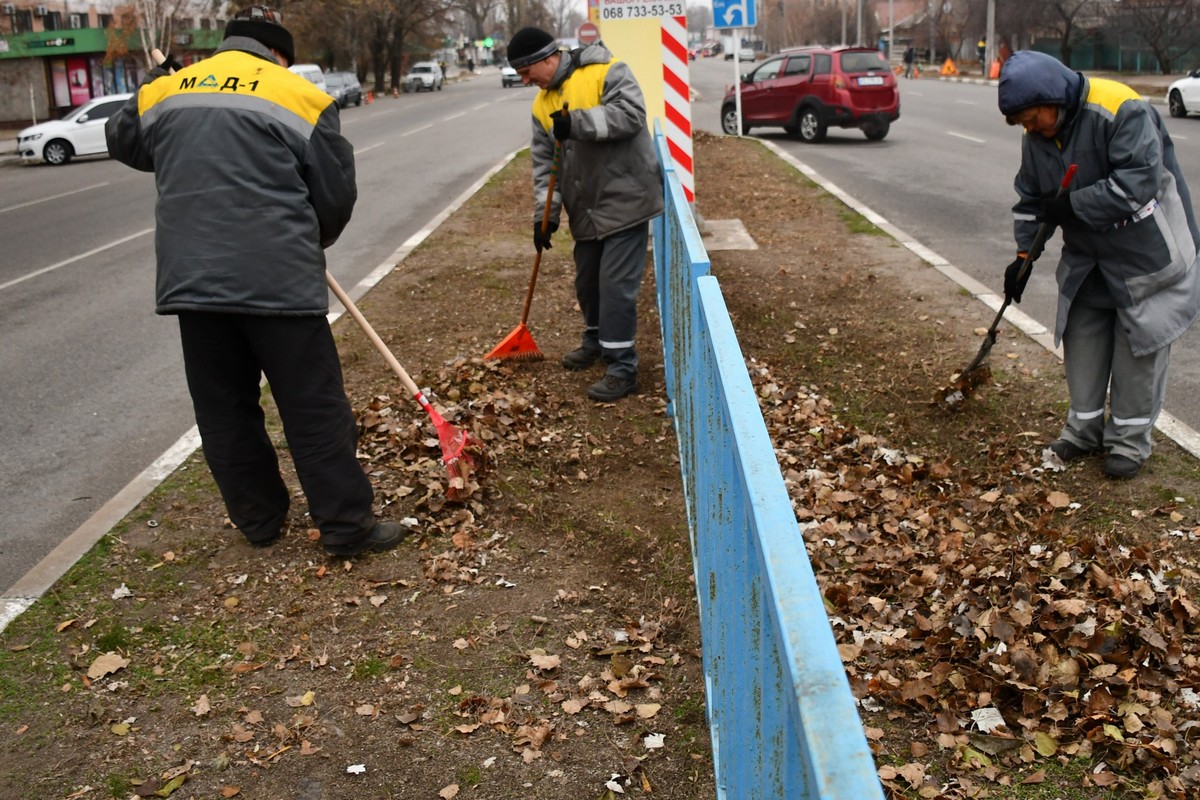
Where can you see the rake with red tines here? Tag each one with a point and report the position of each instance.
(457, 445)
(978, 373)
(519, 345)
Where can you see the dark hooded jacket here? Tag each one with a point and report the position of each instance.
(254, 180)
(610, 179)
(1135, 221)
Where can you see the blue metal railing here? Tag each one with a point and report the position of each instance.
(783, 721)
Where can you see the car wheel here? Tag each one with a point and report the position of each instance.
(876, 129)
(729, 121)
(58, 152)
(1175, 101)
(812, 128)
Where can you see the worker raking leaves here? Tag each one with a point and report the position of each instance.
(254, 181)
(610, 186)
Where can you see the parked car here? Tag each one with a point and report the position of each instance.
(509, 77)
(1183, 96)
(310, 72)
(747, 54)
(806, 90)
(344, 87)
(80, 133)
(425, 75)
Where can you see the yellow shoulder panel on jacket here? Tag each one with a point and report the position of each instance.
(1108, 94)
(236, 72)
(583, 89)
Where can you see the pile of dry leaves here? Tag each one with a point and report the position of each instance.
(972, 599)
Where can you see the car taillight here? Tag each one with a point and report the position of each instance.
(838, 83)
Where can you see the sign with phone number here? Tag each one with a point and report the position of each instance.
(639, 9)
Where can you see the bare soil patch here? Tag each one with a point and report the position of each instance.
(539, 639)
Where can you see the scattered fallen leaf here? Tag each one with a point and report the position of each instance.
(106, 665)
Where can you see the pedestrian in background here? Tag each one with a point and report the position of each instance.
(910, 56)
(1127, 278)
(610, 185)
(981, 49)
(254, 180)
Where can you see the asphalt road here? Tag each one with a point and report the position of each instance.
(944, 175)
(91, 380)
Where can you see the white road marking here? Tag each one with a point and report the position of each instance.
(53, 197)
(968, 138)
(73, 259)
(369, 147)
(417, 130)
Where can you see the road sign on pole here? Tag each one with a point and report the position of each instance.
(733, 14)
(587, 33)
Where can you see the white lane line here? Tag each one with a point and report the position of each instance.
(966, 102)
(73, 259)
(968, 138)
(53, 197)
(454, 116)
(417, 130)
(368, 148)
(482, 106)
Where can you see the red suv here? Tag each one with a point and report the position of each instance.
(807, 89)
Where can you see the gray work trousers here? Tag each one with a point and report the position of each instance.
(1100, 364)
(608, 277)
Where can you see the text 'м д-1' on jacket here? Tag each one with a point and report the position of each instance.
(254, 180)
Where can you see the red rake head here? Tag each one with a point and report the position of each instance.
(459, 451)
(517, 346)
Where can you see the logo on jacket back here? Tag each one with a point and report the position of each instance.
(231, 84)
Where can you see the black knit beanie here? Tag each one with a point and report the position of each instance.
(264, 31)
(529, 46)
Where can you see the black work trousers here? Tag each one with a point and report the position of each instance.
(225, 356)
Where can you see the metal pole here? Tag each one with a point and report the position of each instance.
(932, 33)
(858, 37)
(991, 38)
(891, 29)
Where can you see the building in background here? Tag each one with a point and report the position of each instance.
(56, 56)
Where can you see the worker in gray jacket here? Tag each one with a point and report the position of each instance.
(610, 185)
(1127, 277)
(254, 180)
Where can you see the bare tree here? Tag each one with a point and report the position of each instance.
(151, 20)
(476, 13)
(1170, 28)
(567, 18)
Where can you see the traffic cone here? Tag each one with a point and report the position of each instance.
(370, 98)
(948, 68)
(994, 72)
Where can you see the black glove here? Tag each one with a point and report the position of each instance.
(1057, 210)
(171, 63)
(1014, 282)
(562, 125)
(542, 240)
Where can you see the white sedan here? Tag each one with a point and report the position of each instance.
(1183, 96)
(80, 133)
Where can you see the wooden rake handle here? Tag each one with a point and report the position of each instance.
(383, 349)
(537, 259)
